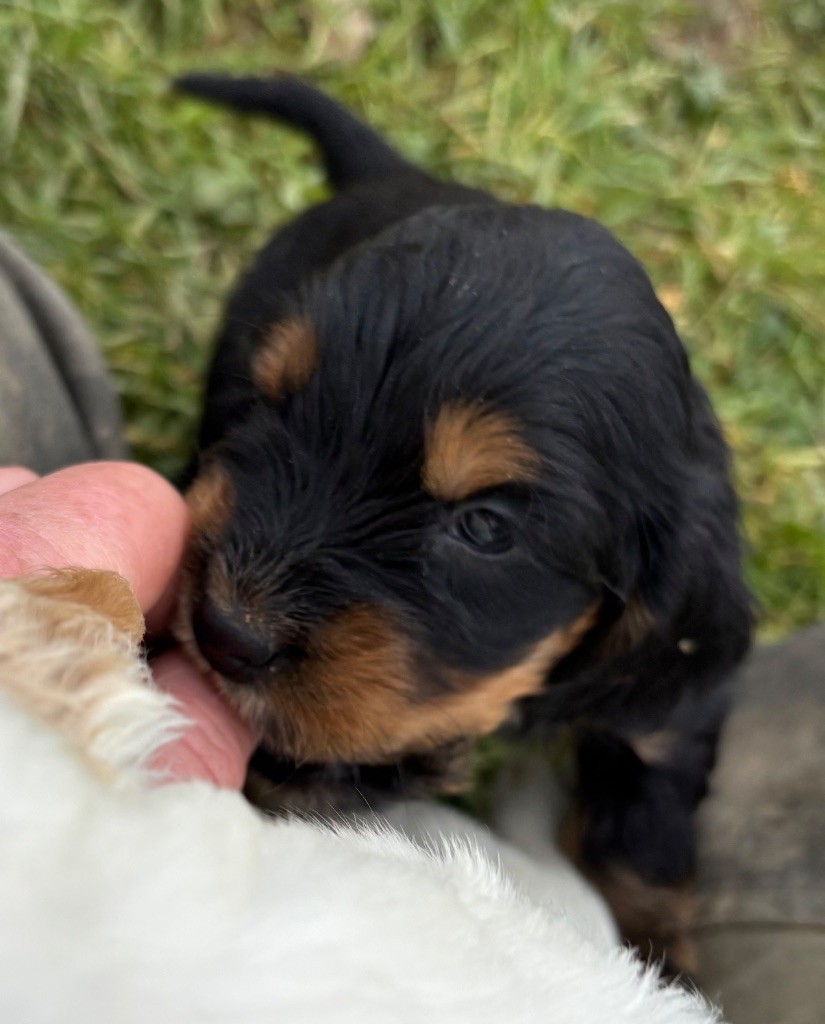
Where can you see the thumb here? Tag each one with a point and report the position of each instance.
(217, 744)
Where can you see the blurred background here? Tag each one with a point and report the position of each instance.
(694, 129)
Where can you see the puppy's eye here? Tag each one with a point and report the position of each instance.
(482, 529)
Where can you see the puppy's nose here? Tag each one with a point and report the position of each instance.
(231, 644)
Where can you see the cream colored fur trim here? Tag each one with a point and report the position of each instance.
(74, 669)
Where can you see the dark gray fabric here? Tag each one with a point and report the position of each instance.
(761, 908)
(57, 405)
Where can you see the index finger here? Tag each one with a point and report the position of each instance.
(103, 515)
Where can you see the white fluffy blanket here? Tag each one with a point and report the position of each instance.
(128, 902)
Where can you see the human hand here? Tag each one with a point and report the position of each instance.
(125, 518)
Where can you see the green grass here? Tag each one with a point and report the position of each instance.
(695, 130)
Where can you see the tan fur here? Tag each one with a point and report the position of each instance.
(486, 702)
(343, 702)
(470, 448)
(285, 359)
(210, 499)
(356, 698)
(107, 593)
(77, 666)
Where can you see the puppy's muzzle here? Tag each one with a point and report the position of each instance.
(234, 644)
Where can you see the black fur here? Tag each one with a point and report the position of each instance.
(420, 292)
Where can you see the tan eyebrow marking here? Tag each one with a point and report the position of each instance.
(469, 448)
(285, 359)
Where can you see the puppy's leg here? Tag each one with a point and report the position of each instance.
(633, 831)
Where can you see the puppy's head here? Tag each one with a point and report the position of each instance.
(431, 481)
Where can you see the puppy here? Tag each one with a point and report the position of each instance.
(455, 471)
(132, 902)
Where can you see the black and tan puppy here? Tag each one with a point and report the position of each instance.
(454, 466)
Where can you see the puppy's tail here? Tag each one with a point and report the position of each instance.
(352, 151)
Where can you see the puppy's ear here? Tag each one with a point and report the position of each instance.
(627, 612)
(104, 592)
(681, 574)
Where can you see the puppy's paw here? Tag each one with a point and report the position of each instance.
(656, 919)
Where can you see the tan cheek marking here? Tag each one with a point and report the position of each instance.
(210, 499)
(285, 359)
(355, 697)
(486, 703)
(469, 448)
(345, 702)
(105, 592)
